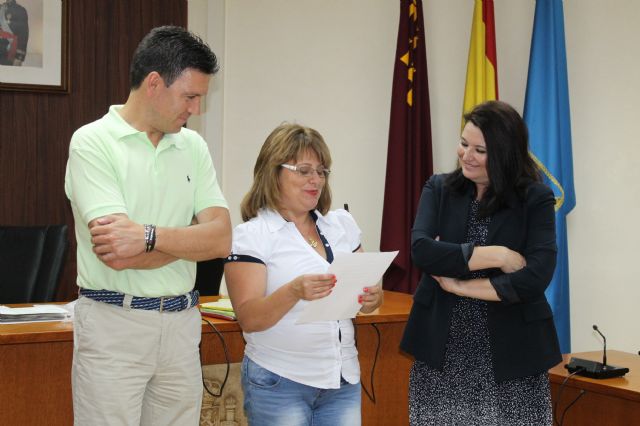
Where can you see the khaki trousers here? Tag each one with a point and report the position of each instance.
(135, 367)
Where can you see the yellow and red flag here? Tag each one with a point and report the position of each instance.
(482, 66)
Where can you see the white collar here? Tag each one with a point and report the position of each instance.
(276, 222)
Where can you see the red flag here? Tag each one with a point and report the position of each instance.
(409, 158)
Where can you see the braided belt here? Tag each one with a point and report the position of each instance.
(162, 304)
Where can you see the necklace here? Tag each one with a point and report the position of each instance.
(313, 243)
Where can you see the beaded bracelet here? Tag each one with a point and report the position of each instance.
(149, 237)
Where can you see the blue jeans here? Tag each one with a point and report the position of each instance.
(272, 400)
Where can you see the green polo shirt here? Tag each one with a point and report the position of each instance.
(114, 168)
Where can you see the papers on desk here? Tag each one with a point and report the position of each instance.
(33, 314)
(221, 308)
(353, 272)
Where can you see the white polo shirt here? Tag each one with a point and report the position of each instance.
(314, 354)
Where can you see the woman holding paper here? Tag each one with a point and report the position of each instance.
(294, 374)
(480, 328)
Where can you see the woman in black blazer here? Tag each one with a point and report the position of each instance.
(481, 329)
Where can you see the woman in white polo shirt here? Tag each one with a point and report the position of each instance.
(294, 374)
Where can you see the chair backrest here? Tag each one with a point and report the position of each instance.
(209, 276)
(31, 260)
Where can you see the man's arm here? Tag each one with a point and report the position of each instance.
(210, 238)
(119, 242)
(103, 250)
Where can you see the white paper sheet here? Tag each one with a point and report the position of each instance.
(37, 313)
(353, 272)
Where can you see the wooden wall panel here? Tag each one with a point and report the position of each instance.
(35, 128)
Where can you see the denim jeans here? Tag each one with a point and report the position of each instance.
(272, 400)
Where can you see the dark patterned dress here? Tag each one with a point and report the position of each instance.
(465, 391)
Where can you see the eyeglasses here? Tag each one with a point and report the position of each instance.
(305, 170)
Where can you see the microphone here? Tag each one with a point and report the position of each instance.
(604, 352)
(595, 369)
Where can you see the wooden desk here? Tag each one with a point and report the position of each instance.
(35, 366)
(605, 402)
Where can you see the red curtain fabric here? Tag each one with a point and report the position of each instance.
(409, 155)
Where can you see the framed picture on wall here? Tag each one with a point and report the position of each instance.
(34, 45)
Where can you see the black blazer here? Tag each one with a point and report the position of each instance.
(522, 334)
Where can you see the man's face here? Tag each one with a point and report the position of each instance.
(172, 106)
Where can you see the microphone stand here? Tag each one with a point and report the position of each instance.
(594, 369)
(604, 351)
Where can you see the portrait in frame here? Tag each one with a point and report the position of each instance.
(34, 45)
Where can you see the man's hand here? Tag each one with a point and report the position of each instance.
(115, 237)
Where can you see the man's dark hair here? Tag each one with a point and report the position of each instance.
(509, 166)
(169, 50)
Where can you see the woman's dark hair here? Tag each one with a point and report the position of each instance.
(509, 166)
(169, 50)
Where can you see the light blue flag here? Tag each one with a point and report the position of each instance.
(546, 112)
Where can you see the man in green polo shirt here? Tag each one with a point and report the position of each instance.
(147, 206)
